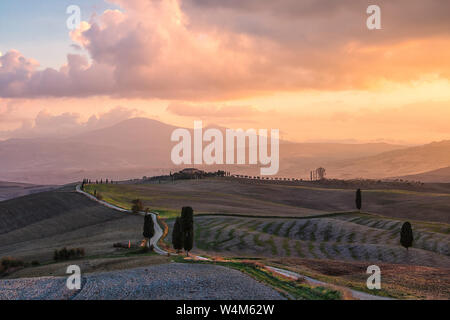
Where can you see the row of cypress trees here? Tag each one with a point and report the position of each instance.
(183, 231)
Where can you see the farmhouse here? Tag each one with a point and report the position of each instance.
(192, 171)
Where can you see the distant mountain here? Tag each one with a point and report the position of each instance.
(118, 152)
(129, 133)
(395, 163)
(142, 146)
(440, 175)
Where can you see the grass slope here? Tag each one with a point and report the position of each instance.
(31, 227)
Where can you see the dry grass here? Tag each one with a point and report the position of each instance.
(399, 281)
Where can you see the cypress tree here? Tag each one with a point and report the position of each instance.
(406, 235)
(358, 199)
(149, 227)
(177, 235)
(187, 225)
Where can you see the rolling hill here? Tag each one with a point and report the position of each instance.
(33, 226)
(410, 161)
(9, 190)
(440, 176)
(141, 146)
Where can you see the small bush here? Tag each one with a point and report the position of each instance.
(145, 249)
(99, 196)
(120, 245)
(9, 262)
(67, 254)
(138, 206)
(35, 263)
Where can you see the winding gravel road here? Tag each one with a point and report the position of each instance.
(173, 281)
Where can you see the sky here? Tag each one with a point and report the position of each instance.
(310, 68)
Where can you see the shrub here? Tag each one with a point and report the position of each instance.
(67, 254)
(138, 206)
(99, 196)
(145, 249)
(9, 262)
(125, 245)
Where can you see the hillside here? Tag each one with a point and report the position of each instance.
(244, 218)
(35, 225)
(439, 175)
(140, 146)
(395, 163)
(299, 199)
(9, 190)
(294, 225)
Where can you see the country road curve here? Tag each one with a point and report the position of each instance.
(158, 231)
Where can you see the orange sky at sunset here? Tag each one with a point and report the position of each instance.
(310, 68)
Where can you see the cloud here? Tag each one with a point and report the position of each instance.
(8, 112)
(212, 50)
(212, 111)
(318, 20)
(66, 124)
